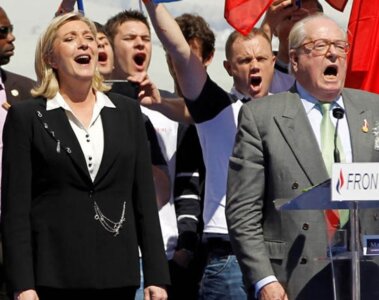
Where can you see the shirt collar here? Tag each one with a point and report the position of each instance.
(237, 94)
(311, 102)
(57, 101)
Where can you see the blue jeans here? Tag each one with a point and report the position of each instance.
(222, 279)
(139, 292)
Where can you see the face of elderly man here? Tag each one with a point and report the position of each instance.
(319, 64)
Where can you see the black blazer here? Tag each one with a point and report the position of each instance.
(50, 235)
(17, 87)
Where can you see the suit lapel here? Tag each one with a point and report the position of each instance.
(362, 143)
(56, 123)
(112, 135)
(295, 127)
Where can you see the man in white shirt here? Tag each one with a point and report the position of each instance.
(250, 62)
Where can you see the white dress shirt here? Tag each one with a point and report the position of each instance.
(91, 139)
(315, 116)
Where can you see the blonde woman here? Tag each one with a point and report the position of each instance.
(77, 190)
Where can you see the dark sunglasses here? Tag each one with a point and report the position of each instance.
(5, 30)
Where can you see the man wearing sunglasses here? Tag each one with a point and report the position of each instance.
(16, 87)
(13, 87)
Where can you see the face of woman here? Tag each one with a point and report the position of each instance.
(75, 52)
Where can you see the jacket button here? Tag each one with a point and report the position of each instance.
(303, 260)
(295, 186)
(305, 226)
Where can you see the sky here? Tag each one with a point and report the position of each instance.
(30, 18)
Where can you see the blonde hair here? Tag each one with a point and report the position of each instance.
(48, 83)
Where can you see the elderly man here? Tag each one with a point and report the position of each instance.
(279, 152)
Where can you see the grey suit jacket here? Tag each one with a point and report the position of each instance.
(275, 157)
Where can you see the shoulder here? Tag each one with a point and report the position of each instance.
(29, 104)
(361, 100)
(128, 109)
(16, 78)
(122, 101)
(24, 112)
(211, 101)
(274, 102)
(360, 94)
(17, 87)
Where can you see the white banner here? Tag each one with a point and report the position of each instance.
(355, 182)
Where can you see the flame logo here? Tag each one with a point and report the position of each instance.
(340, 182)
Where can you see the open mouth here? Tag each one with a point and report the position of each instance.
(331, 71)
(103, 57)
(256, 81)
(139, 59)
(83, 59)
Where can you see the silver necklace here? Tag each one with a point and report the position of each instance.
(108, 224)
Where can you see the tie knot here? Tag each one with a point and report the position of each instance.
(325, 107)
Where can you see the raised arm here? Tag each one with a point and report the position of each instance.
(189, 70)
(65, 7)
(277, 12)
(150, 97)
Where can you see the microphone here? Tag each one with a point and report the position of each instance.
(338, 113)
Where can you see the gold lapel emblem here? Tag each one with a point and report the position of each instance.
(14, 93)
(6, 105)
(365, 126)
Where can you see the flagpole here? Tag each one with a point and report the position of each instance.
(80, 6)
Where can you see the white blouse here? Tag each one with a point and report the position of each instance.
(91, 139)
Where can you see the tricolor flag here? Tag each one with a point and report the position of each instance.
(337, 4)
(363, 60)
(244, 14)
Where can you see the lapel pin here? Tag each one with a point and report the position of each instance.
(6, 105)
(15, 93)
(365, 126)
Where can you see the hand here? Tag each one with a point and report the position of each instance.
(26, 295)
(278, 11)
(182, 258)
(148, 95)
(68, 5)
(273, 291)
(154, 292)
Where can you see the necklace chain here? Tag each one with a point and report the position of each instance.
(108, 224)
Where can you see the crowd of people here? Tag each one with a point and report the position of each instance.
(115, 189)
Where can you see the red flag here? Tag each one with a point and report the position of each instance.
(363, 60)
(244, 14)
(337, 4)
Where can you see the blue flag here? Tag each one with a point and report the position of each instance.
(80, 6)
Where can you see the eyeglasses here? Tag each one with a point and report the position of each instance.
(322, 46)
(5, 30)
